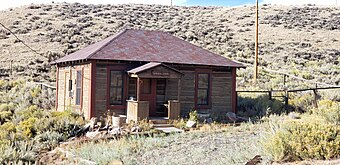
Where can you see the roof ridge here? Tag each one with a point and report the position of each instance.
(100, 48)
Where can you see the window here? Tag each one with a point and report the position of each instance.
(78, 86)
(116, 88)
(203, 93)
(146, 86)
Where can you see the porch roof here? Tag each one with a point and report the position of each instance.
(155, 70)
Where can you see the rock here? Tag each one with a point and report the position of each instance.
(115, 131)
(293, 115)
(92, 135)
(136, 129)
(191, 124)
(209, 120)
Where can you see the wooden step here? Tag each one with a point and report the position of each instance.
(159, 121)
(162, 125)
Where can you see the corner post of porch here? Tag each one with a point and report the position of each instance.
(138, 88)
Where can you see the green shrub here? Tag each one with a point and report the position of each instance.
(303, 140)
(26, 127)
(329, 111)
(259, 106)
(4, 116)
(193, 116)
(6, 129)
(4, 107)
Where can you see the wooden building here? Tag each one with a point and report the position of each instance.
(143, 74)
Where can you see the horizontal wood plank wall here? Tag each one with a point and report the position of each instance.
(61, 89)
(187, 91)
(86, 90)
(101, 90)
(221, 92)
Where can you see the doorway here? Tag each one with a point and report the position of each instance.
(153, 91)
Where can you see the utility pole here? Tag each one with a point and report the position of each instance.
(171, 3)
(256, 61)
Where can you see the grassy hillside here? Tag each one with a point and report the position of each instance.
(302, 41)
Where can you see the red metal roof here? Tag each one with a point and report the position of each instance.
(149, 46)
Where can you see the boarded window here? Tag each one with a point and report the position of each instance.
(78, 86)
(146, 86)
(116, 88)
(203, 80)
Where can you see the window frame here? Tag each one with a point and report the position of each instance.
(116, 87)
(197, 73)
(121, 68)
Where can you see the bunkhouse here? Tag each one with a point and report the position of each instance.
(145, 74)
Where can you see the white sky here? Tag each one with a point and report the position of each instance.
(303, 2)
(5, 4)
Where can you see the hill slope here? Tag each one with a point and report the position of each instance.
(302, 41)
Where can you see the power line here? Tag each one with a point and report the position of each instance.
(22, 41)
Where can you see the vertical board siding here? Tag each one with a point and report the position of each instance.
(187, 94)
(86, 90)
(61, 89)
(101, 90)
(221, 92)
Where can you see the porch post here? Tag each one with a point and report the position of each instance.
(179, 89)
(138, 89)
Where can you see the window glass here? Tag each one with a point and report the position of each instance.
(116, 87)
(203, 89)
(78, 86)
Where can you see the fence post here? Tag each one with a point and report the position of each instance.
(315, 96)
(270, 94)
(286, 99)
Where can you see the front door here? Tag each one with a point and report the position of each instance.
(153, 91)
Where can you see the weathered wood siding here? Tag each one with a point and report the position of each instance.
(101, 91)
(61, 89)
(187, 94)
(86, 90)
(221, 91)
(66, 98)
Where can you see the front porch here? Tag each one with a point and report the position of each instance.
(151, 92)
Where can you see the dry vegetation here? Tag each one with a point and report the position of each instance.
(302, 41)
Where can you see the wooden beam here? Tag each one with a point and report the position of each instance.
(56, 102)
(92, 89)
(138, 88)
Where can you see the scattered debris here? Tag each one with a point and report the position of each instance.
(232, 116)
(191, 124)
(136, 129)
(92, 135)
(293, 115)
(169, 129)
